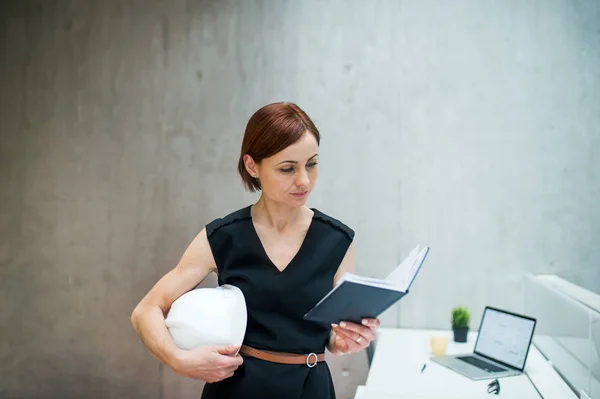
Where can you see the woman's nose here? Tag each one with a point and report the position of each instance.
(303, 179)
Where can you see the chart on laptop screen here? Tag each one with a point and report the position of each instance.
(505, 337)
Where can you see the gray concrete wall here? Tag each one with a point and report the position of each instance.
(470, 126)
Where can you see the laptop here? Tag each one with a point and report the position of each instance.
(501, 349)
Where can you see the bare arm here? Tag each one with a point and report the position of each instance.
(148, 317)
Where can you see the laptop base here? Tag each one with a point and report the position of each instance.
(470, 371)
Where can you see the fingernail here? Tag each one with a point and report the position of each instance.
(343, 324)
(333, 325)
(365, 322)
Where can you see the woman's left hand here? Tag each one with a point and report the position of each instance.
(350, 337)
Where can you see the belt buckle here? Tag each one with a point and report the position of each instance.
(308, 360)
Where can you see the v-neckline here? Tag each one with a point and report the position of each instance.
(264, 251)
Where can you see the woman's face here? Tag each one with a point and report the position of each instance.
(289, 176)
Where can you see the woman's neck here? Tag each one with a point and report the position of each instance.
(276, 215)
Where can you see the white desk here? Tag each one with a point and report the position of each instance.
(400, 354)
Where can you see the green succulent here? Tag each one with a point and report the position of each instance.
(460, 317)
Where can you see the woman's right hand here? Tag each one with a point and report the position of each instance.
(208, 363)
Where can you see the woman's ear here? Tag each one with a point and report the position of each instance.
(251, 166)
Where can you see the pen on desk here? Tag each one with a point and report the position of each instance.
(423, 369)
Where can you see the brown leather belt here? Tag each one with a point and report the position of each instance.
(283, 357)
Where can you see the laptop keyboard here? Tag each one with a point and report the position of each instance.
(482, 364)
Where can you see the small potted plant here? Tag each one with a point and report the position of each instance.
(460, 323)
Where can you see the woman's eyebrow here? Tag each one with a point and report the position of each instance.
(296, 161)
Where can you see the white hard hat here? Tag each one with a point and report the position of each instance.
(208, 316)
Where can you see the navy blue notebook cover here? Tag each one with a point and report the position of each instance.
(354, 301)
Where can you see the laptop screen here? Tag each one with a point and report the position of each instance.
(505, 337)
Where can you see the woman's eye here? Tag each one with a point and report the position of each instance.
(291, 169)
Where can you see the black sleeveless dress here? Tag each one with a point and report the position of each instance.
(276, 302)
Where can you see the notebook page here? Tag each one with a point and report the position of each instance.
(415, 268)
(373, 282)
(399, 275)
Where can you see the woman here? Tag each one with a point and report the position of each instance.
(283, 256)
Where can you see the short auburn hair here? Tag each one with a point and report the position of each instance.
(271, 129)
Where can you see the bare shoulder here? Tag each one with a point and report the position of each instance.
(194, 266)
(198, 256)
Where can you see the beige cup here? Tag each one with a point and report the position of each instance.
(438, 345)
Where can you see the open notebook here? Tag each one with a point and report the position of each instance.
(356, 297)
